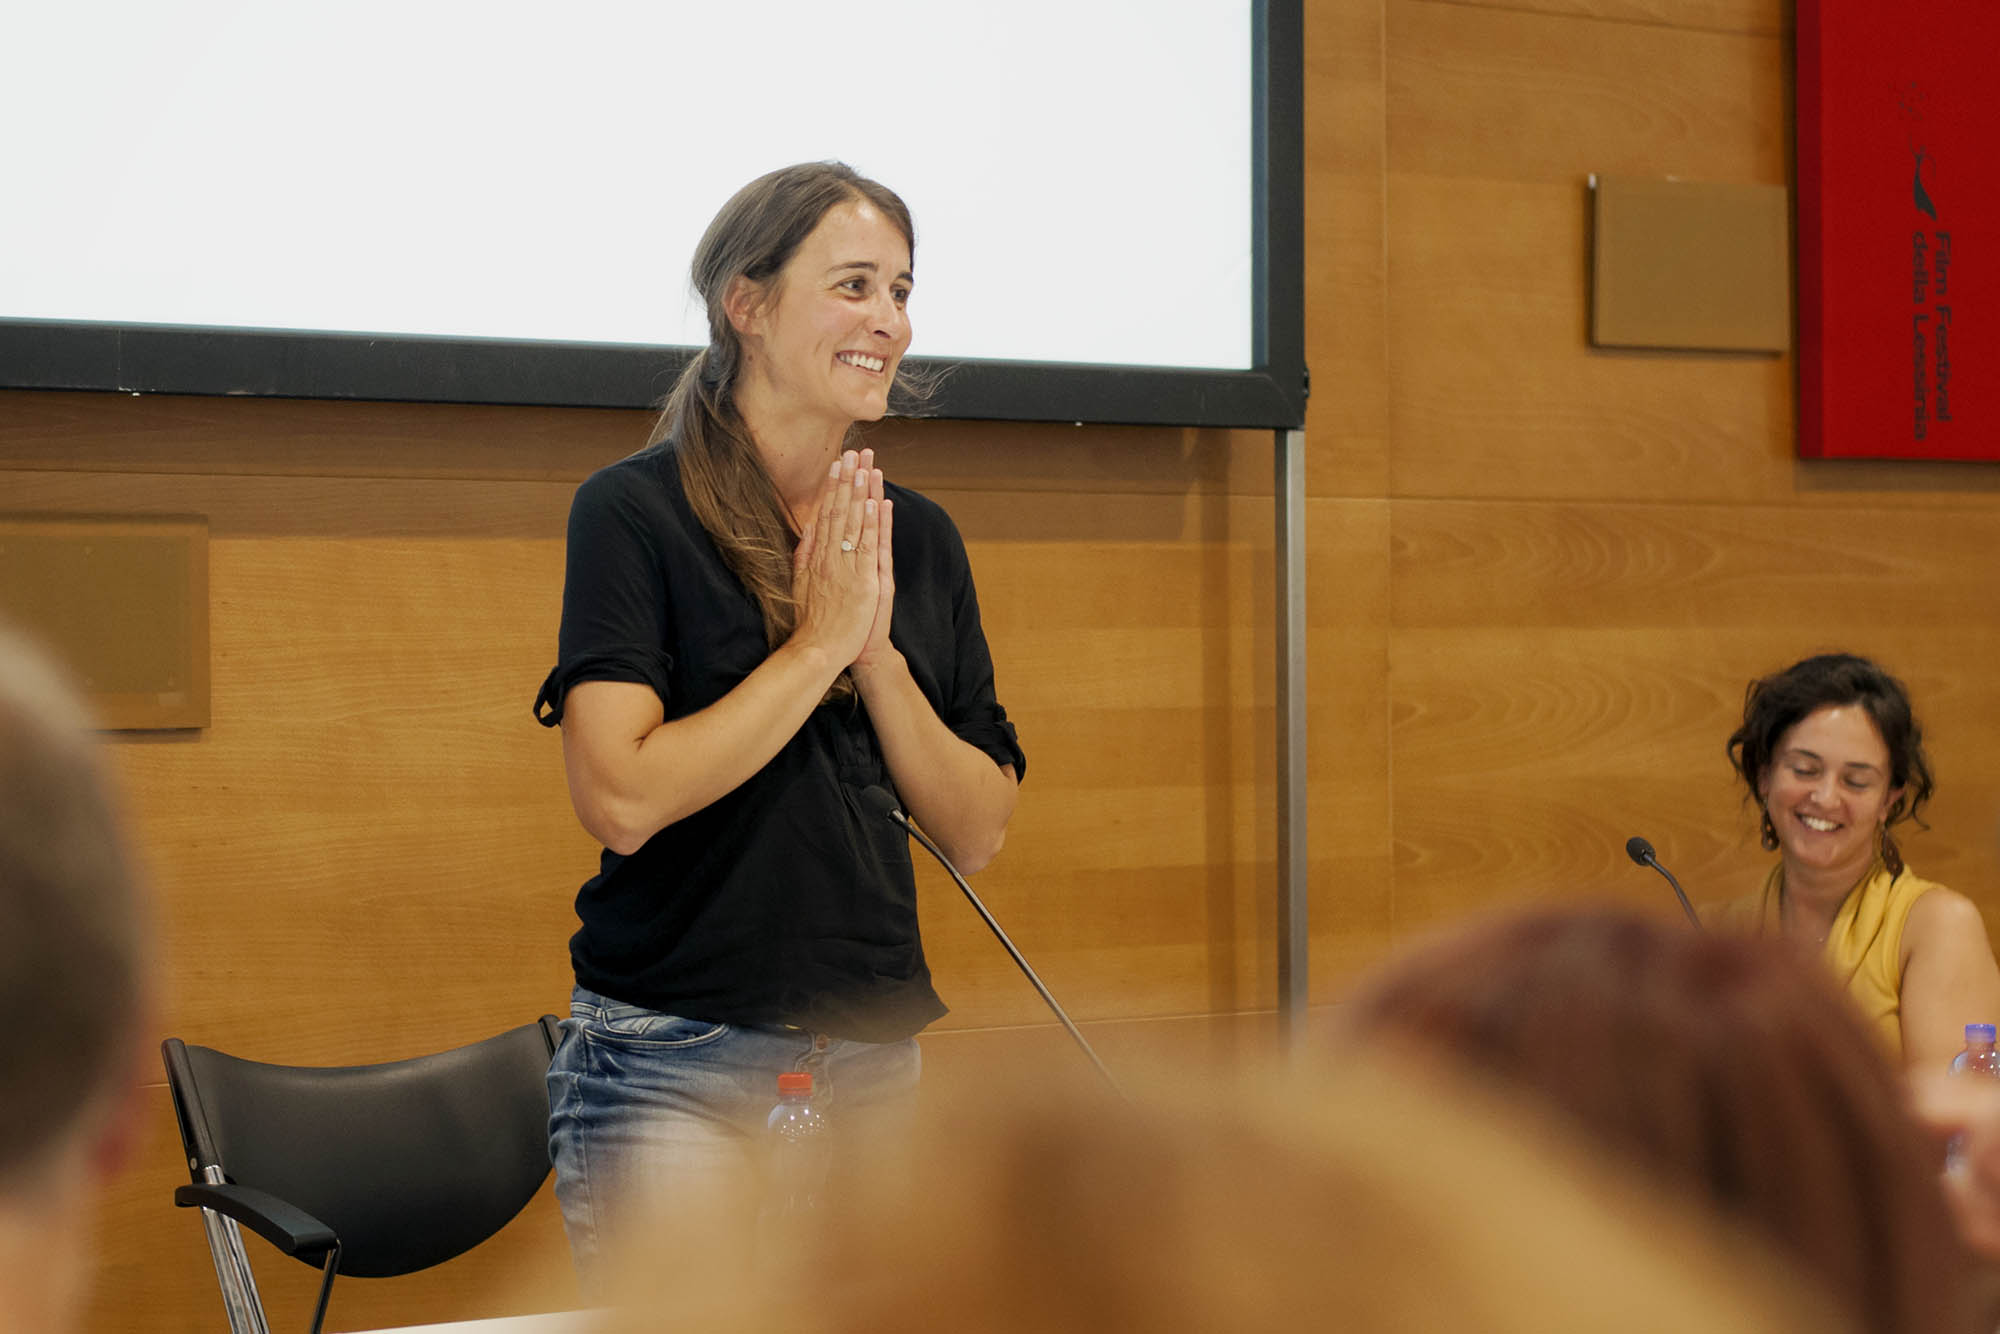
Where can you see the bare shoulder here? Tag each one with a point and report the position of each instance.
(1942, 921)
(1949, 909)
(1949, 978)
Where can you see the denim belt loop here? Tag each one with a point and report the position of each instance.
(813, 1060)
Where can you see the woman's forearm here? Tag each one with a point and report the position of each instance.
(631, 773)
(953, 789)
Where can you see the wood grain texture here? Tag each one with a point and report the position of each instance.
(1346, 237)
(1592, 553)
(1168, 1055)
(1348, 416)
(1582, 692)
(1498, 392)
(1506, 95)
(1820, 573)
(179, 434)
(278, 508)
(1524, 757)
(1059, 459)
(1472, 835)
(167, 433)
(1764, 18)
(1125, 853)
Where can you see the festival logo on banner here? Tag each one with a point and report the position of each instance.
(1930, 290)
(1898, 203)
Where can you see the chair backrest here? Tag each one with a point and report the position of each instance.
(409, 1162)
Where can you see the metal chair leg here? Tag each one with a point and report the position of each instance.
(232, 1269)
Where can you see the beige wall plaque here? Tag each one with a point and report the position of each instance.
(124, 602)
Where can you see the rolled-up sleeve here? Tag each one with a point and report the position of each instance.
(973, 712)
(615, 616)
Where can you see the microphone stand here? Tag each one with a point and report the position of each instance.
(888, 806)
(1640, 851)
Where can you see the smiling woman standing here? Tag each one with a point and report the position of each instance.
(757, 628)
(1834, 758)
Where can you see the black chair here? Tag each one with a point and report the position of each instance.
(369, 1170)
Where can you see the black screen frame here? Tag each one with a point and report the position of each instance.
(167, 359)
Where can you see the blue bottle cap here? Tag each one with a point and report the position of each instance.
(1979, 1033)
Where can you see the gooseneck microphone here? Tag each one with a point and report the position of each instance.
(1640, 851)
(883, 802)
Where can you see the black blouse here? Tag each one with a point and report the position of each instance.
(786, 901)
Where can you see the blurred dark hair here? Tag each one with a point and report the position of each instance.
(1776, 703)
(1727, 1068)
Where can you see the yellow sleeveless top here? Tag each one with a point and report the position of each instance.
(1865, 948)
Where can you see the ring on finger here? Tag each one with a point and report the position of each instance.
(846, 545)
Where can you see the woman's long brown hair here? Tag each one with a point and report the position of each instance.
(753, 237)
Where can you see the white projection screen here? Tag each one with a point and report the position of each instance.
(491, 201)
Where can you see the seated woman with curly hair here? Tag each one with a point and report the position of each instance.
(1831, 752)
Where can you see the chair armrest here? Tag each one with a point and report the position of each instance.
(289, 1228)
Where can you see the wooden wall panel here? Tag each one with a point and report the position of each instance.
(1767, 18)
(1050, 461)
(372, 804)
(1347, 420)
(1497, 392)
(1593, 552)
(161, 433)
(1504, 94)
(1566, 675)
(1524, 757)
(1497, 118)
(1349, 822)
(1158, 876)
(1585, 738)
(1350, 818)
(1815, 572)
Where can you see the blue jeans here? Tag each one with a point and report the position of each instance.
(650, 1112)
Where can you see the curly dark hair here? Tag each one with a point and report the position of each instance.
(1774, 704)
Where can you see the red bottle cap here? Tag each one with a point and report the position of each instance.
(795, 1081)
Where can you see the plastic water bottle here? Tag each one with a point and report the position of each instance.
(1979, 1056)
(797, 1150)
(1979, 1060)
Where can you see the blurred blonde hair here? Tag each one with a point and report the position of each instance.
(73, 953)
(1379, 1201)
(74, 974)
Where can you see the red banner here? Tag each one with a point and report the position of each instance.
(1899, 228)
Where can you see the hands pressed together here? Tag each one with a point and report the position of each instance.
(843, 572)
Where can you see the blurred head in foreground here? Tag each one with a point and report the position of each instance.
(1376, 1202)
(1728, 1069)
(73, 979)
